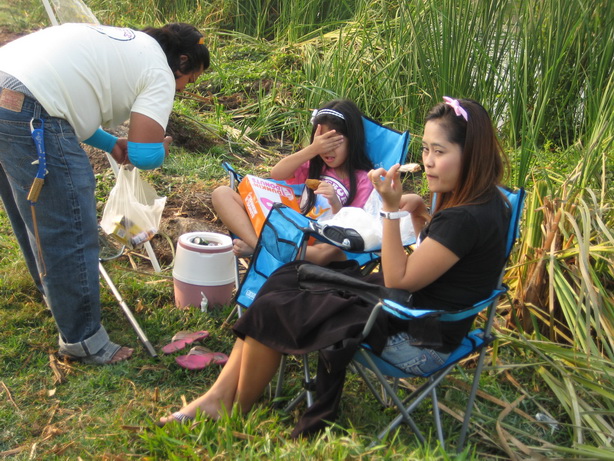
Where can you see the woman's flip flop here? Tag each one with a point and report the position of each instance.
(182, 339)
(176, 417)
(200, 357)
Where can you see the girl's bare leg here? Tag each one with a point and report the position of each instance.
(324, 253)
(229, 207)
(241, 249)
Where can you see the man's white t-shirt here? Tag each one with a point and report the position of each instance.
(93, 75)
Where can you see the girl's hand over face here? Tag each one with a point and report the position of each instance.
(325, 142)
(388, 184)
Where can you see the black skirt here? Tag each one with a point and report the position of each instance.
(293, 320)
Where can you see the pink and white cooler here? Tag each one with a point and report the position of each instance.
(204, 264)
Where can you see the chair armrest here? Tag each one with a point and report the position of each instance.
(317, 277)
(371, 321)
(233, 176)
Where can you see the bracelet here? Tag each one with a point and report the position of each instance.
(393, 214)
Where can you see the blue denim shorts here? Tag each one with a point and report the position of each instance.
(401, 352)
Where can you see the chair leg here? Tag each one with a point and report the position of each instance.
(437, 417)
(127, 312)
(280, 376)
(404, 416)
(306, 394)
(308, 381)
(235, 310)
(359, 369)
(469, 409)
(414, 399)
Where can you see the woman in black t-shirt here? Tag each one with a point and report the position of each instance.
(458, 260)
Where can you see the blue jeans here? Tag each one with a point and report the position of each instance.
(66, 218)
(400, 352)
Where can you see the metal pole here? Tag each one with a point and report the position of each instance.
(140, 333)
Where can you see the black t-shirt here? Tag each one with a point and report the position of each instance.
(477, 235)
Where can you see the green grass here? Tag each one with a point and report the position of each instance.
(108, 411)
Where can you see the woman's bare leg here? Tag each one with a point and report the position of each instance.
(222, 393)
(249, 369)
(258, 367)
(229, 207)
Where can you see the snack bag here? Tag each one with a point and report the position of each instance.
(259, 195)
(133, 211)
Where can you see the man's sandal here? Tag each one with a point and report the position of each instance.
(103, 357)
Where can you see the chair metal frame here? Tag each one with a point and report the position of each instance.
(110, 250)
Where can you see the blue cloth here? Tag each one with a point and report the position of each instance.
(146, 156)
(67, 222)
(102, 140)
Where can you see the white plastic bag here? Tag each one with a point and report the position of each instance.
(133, 212)
(368, 223)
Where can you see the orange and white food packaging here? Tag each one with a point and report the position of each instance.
(259, 195)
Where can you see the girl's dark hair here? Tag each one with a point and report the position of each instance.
(179, 39)
(352, 128)
(483, 162)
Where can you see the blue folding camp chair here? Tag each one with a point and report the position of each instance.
(475, 341)
(384, 146)
(285, 233)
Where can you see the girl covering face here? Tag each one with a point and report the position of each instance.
(335, 160)
(335, 124)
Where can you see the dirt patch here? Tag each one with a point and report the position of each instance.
(189, 210)
(187, 134)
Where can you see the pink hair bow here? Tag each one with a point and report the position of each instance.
(458, 109)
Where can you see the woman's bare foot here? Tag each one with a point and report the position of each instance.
(203, 405)
(241, 249)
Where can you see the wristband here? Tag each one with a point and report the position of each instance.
(393, 214)
(146, 156)
(102, 140)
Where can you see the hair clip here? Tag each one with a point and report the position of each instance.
(458, 109)
(201, 41)
(317, 113)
